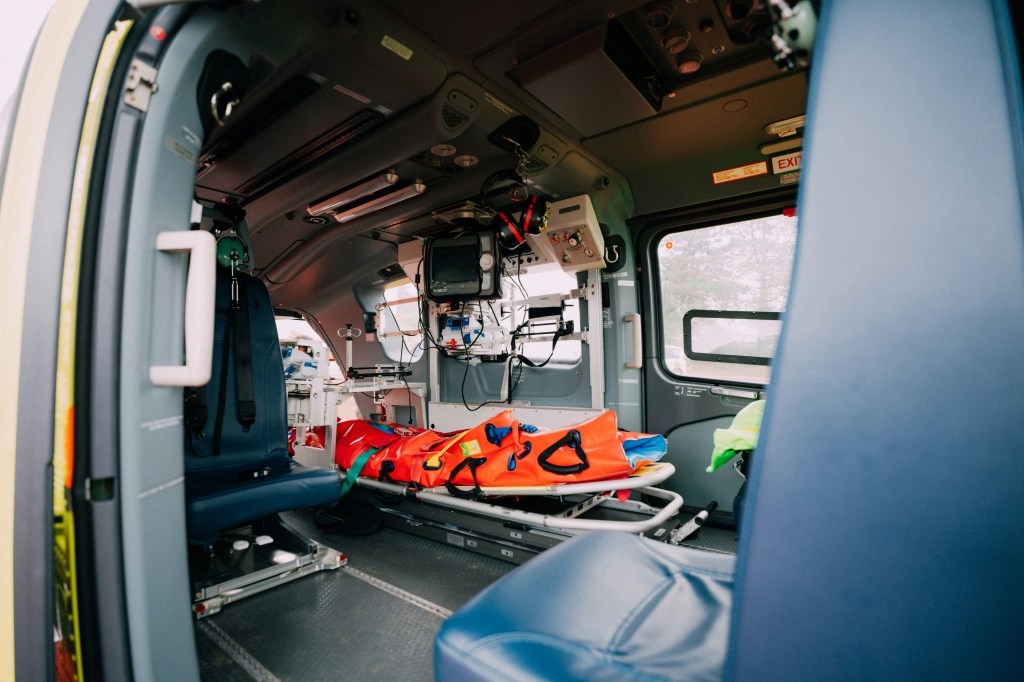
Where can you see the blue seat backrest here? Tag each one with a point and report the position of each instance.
(266, 442)
(884, 535)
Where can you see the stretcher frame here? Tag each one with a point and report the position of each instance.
(642, 480)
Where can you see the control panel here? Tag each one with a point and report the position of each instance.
(573, 237)
(488, 273)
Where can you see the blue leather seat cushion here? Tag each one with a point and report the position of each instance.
(221, 499)
(601, 606)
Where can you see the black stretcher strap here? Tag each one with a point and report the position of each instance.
(574, 439)
(472, 463)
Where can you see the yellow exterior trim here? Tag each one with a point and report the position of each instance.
(65, 389)
(20, 186)
(64, 394)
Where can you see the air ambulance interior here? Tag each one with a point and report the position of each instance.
(461, 151)
(345, 154)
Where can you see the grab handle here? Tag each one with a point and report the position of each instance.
(200, 291)
(638, 350)
(572, 439)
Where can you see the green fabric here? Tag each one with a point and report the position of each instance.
(741, 435)
(357, 468)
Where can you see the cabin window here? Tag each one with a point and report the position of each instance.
(292, 331)
(539, 282)
(398, 322)
(723, 289)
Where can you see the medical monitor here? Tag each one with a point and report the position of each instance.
(461, 267)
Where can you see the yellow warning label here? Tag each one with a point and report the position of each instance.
(396, 47)
(470, 448)
(748, 171)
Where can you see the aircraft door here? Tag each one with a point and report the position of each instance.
(715, 294)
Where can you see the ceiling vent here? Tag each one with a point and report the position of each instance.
(452, 120)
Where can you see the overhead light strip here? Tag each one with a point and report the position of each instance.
(786, 127)
(413, 190)
(332, 203)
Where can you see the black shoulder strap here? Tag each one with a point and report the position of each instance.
(218, 424)
(243, 358)
(196, 411)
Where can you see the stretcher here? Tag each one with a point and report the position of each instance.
(505, 482)
(491, 501)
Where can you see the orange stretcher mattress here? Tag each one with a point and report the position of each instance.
(499, 452)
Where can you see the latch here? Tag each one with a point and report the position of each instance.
(735, 393)
(141, 85)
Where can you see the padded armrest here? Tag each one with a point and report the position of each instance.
(601, 606)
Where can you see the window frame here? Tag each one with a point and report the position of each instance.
(650, 230)
(417, 350)
(545, 351)
(302, 316)
(724, 315)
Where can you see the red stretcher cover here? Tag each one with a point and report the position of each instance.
(500, 452)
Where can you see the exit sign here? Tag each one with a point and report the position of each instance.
(787, 163)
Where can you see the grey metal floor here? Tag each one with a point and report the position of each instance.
(445, 574)
(328, 626)
(373, 620)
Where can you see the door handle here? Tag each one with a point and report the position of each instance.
(200, 292)
(638, 347)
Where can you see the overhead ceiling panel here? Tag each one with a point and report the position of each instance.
(468, 27)
(703, 129)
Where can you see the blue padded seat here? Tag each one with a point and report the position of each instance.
(221, 504)
(596, 607)
(220, 489)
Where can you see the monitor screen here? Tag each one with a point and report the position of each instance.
(463, 266)
(456, 263)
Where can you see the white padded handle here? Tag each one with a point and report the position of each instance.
(638, 350)
(200, 291)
